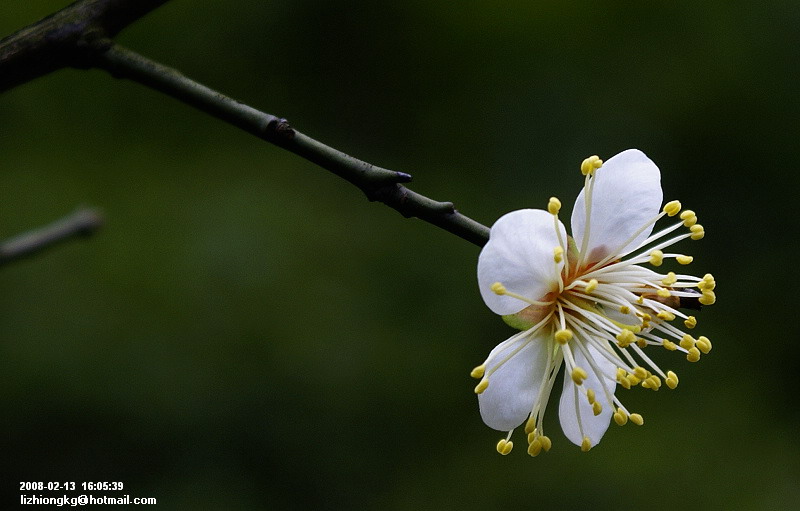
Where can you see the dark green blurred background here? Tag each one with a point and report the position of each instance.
(248, 332)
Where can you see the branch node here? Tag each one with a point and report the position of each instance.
(402, 177)
(71, 37)
(279, 130)
(92, 43)
(446, 207)
(391, 194)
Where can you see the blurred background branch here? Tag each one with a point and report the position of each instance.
(79, 36)
(81, 223)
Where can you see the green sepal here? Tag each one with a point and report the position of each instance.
(572, 249)
(515, 321)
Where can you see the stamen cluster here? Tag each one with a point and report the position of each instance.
(584, 306)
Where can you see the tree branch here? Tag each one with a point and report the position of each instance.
(81, 223)
(65, 38)
(80, 36)
(378, 184)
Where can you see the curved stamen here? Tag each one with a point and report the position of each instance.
(588, 186)
(499, 289)
(615, 253)
(527, 335)
(596, 369)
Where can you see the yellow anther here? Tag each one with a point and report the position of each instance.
(563, 336)
(672, 208)
(703, 344)
(479, 388)
(498, 288)
(633, 380)
(558, 254)
(578, 375)
(684, 259)
(697, 232)
(620, 417)
(504, 446)
(707, 298)
(640, 372)
(690, 322)
(646, 317)
(663, 293)
(671, 346)
(640, 300)
(625, 338)
(591, 286)
(671, 376)
(666, 315)
(478, 371)
(590, 164)
(535, 447)
(530, 425)
(656, 257)
(586, 444)
(637, 419)
(642, 343)
(554, 206)
(597, 408)
(689, 218)
(546, 443)
(693, 355)
(625, 309)
(687, 342)
(706, 285)
(670, 279)
(590, 396)
(654, 381)
(624, 382)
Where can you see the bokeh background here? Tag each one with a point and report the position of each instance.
(248, 332)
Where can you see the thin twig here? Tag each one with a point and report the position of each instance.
(82, 223)
(378, 184)
(79, 36)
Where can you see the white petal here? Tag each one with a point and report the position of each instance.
(513, 388)
(593, 426)
(627, 194)
(519, 255)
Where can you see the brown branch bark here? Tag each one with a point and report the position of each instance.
(66, 38)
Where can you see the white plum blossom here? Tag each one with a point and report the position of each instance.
(579, 304)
